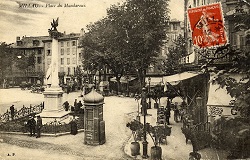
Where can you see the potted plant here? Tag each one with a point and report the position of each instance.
(135, 126)
(157, 133)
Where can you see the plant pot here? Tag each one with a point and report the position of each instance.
(156, 153)
(155, 105)
(135, 148)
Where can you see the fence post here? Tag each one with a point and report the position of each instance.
(55, 126)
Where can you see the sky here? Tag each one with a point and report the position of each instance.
(33, 17)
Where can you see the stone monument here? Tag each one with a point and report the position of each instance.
(53, 109)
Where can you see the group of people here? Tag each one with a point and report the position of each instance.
(178, 113)
(76, 108)
(34, 126)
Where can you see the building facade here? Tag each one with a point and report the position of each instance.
(69, 56)
(174, 30)
(31, 49)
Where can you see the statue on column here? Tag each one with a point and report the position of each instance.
(53, 30)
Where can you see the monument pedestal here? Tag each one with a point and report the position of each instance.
(53, 109)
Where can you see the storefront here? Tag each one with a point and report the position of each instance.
(192, 87)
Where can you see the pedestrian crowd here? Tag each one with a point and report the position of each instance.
(179, 111)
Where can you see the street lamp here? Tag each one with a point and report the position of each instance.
(149, 100)
(144, 106)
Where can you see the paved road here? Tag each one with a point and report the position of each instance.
(73, 147)
(117, 112)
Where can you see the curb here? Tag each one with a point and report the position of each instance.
(42, 134)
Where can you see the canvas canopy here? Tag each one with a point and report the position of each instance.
(218, 96)
(176, 78)
(123, 79)
(154, 81)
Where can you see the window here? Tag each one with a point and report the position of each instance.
(68, 70)
(48, 61)
(39, 51)
(48, 52)
(68, 44)
(49, 45)
(74, 60)
(68, 60)
(194, 3)
(39, 60)
(61, 69)
(35, 43)
(62, 61)
(62, 51)
(74, 51)
(68, 51)
(73, 43)
(62, 44)
(175, 26)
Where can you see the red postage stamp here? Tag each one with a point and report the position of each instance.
(207, 25)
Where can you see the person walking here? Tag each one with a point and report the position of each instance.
(31, 125)
(39, 125)
(12, 112)
(176, 113)
(167, 114)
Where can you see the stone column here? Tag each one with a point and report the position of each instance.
(54, 61)
(53, 108)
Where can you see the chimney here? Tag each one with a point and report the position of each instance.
(17, 38)
(64, 32)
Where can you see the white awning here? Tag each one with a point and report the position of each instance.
(176, 78)
(218, 96)
(154, 81)
(123, 79)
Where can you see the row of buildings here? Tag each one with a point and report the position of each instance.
(70, 56)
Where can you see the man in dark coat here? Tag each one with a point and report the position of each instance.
(12, 111)
(66, 105)
(31, 125)
(167, 114)
(73, 126)
(39, 125)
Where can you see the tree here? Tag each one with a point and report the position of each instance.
(129, 38)
(25, 62)
(172, 63)
(5, 59)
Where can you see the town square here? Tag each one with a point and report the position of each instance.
(150, 79)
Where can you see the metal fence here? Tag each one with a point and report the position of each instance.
(23, 112)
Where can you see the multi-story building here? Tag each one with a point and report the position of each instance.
(238, 39)
(69, 56)
(29, 47)
(174, 30)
